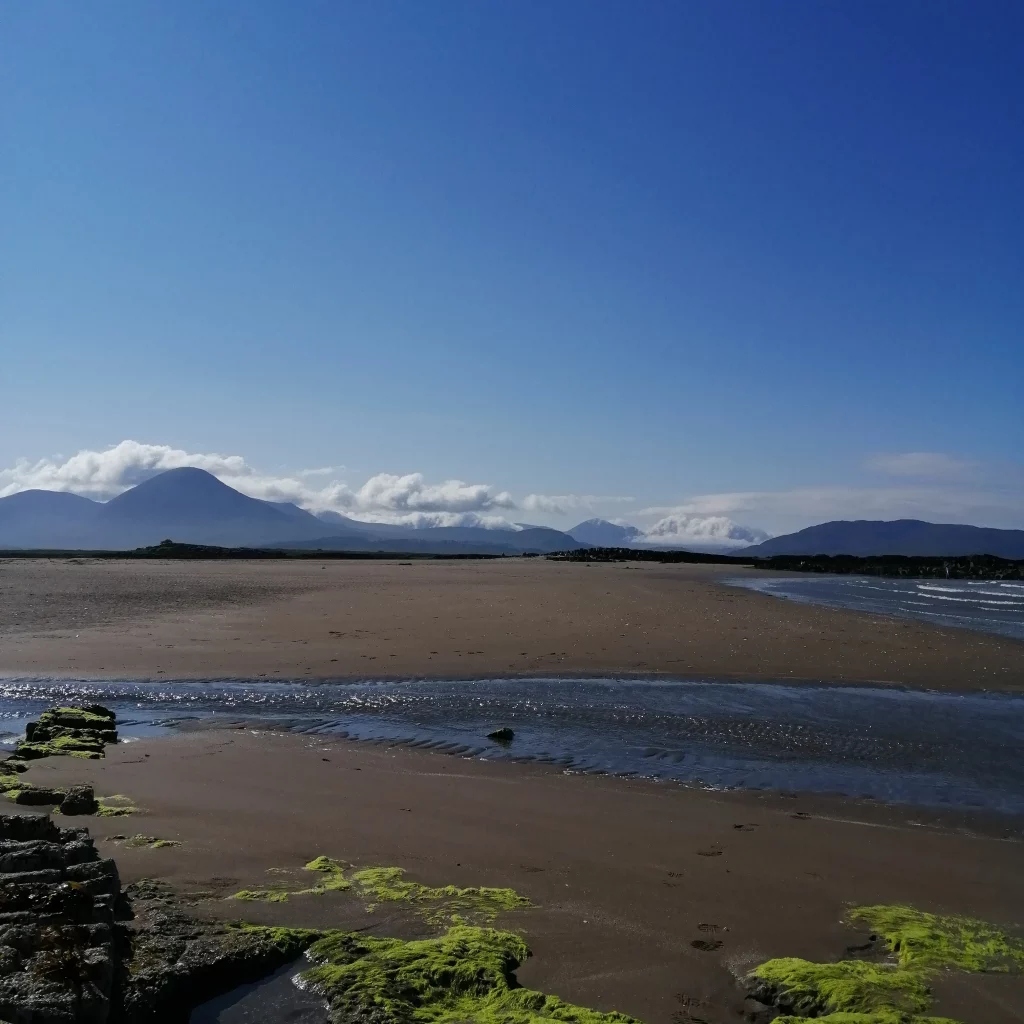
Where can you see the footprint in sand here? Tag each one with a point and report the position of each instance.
(707, 945)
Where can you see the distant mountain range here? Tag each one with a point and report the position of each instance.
(192, 506)
(867, 537)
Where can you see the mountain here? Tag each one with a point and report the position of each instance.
(32, 519)
(192, 506)
(899, 537)
(187, 505)
(602, 534)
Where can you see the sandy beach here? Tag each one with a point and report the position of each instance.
(625, 876)
(368, 619)
(648, 898)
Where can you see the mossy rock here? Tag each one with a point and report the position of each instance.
(115, 806)
(68, 731)
(809, 989)
(465, 975)
(36, 796)
(920, 939)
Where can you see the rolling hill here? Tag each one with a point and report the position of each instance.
(867, 537)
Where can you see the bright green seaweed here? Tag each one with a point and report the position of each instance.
(334, 880)
(850, 986)
(860, 992)
(934, 940)
(439, 906)
(464, 975)
(115, 806)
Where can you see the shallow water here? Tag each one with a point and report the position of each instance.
(274, 998)
(990, 606)
(901, 746)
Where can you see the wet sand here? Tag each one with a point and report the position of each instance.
(625, 875)
(344, 620)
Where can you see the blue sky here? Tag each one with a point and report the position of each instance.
(761, 261)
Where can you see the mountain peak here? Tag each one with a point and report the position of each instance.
(603, 534)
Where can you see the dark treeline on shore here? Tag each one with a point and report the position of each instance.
(174, 550)
(963, 567)
(898, 566)
(646, 555)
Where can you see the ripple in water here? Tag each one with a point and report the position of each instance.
(900, 746)
(989, 606)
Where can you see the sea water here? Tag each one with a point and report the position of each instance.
(990, 606)
(889, 744)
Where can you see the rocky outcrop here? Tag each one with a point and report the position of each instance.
(59, 949)
(76, 731)
(74, 947)
(176, 962)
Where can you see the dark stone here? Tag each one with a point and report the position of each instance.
(84, 730)
(37, 796)
(58, 941)
(78, 800)
(75, 949)
(502, 735)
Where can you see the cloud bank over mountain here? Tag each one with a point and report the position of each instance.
(712, 532)
(932, 486)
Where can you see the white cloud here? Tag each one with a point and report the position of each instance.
(563, 504)
(936, 465)
(998, 504)
(104, 474)
(681, 529)
(423, 520)
(411, 493)
(385, 497)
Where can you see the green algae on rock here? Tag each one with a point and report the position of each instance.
(920, 939)
(811, 990)
(464, 975)
(140, 842)
(334, 876)
(289, 942)
(69, 731)
(437, 905)
(116, 806)
(861, 992)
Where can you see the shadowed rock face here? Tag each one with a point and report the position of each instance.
(59, 948)
(75, 948)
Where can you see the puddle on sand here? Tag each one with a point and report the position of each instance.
(274, 998)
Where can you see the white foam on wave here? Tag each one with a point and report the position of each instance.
(975, 601)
